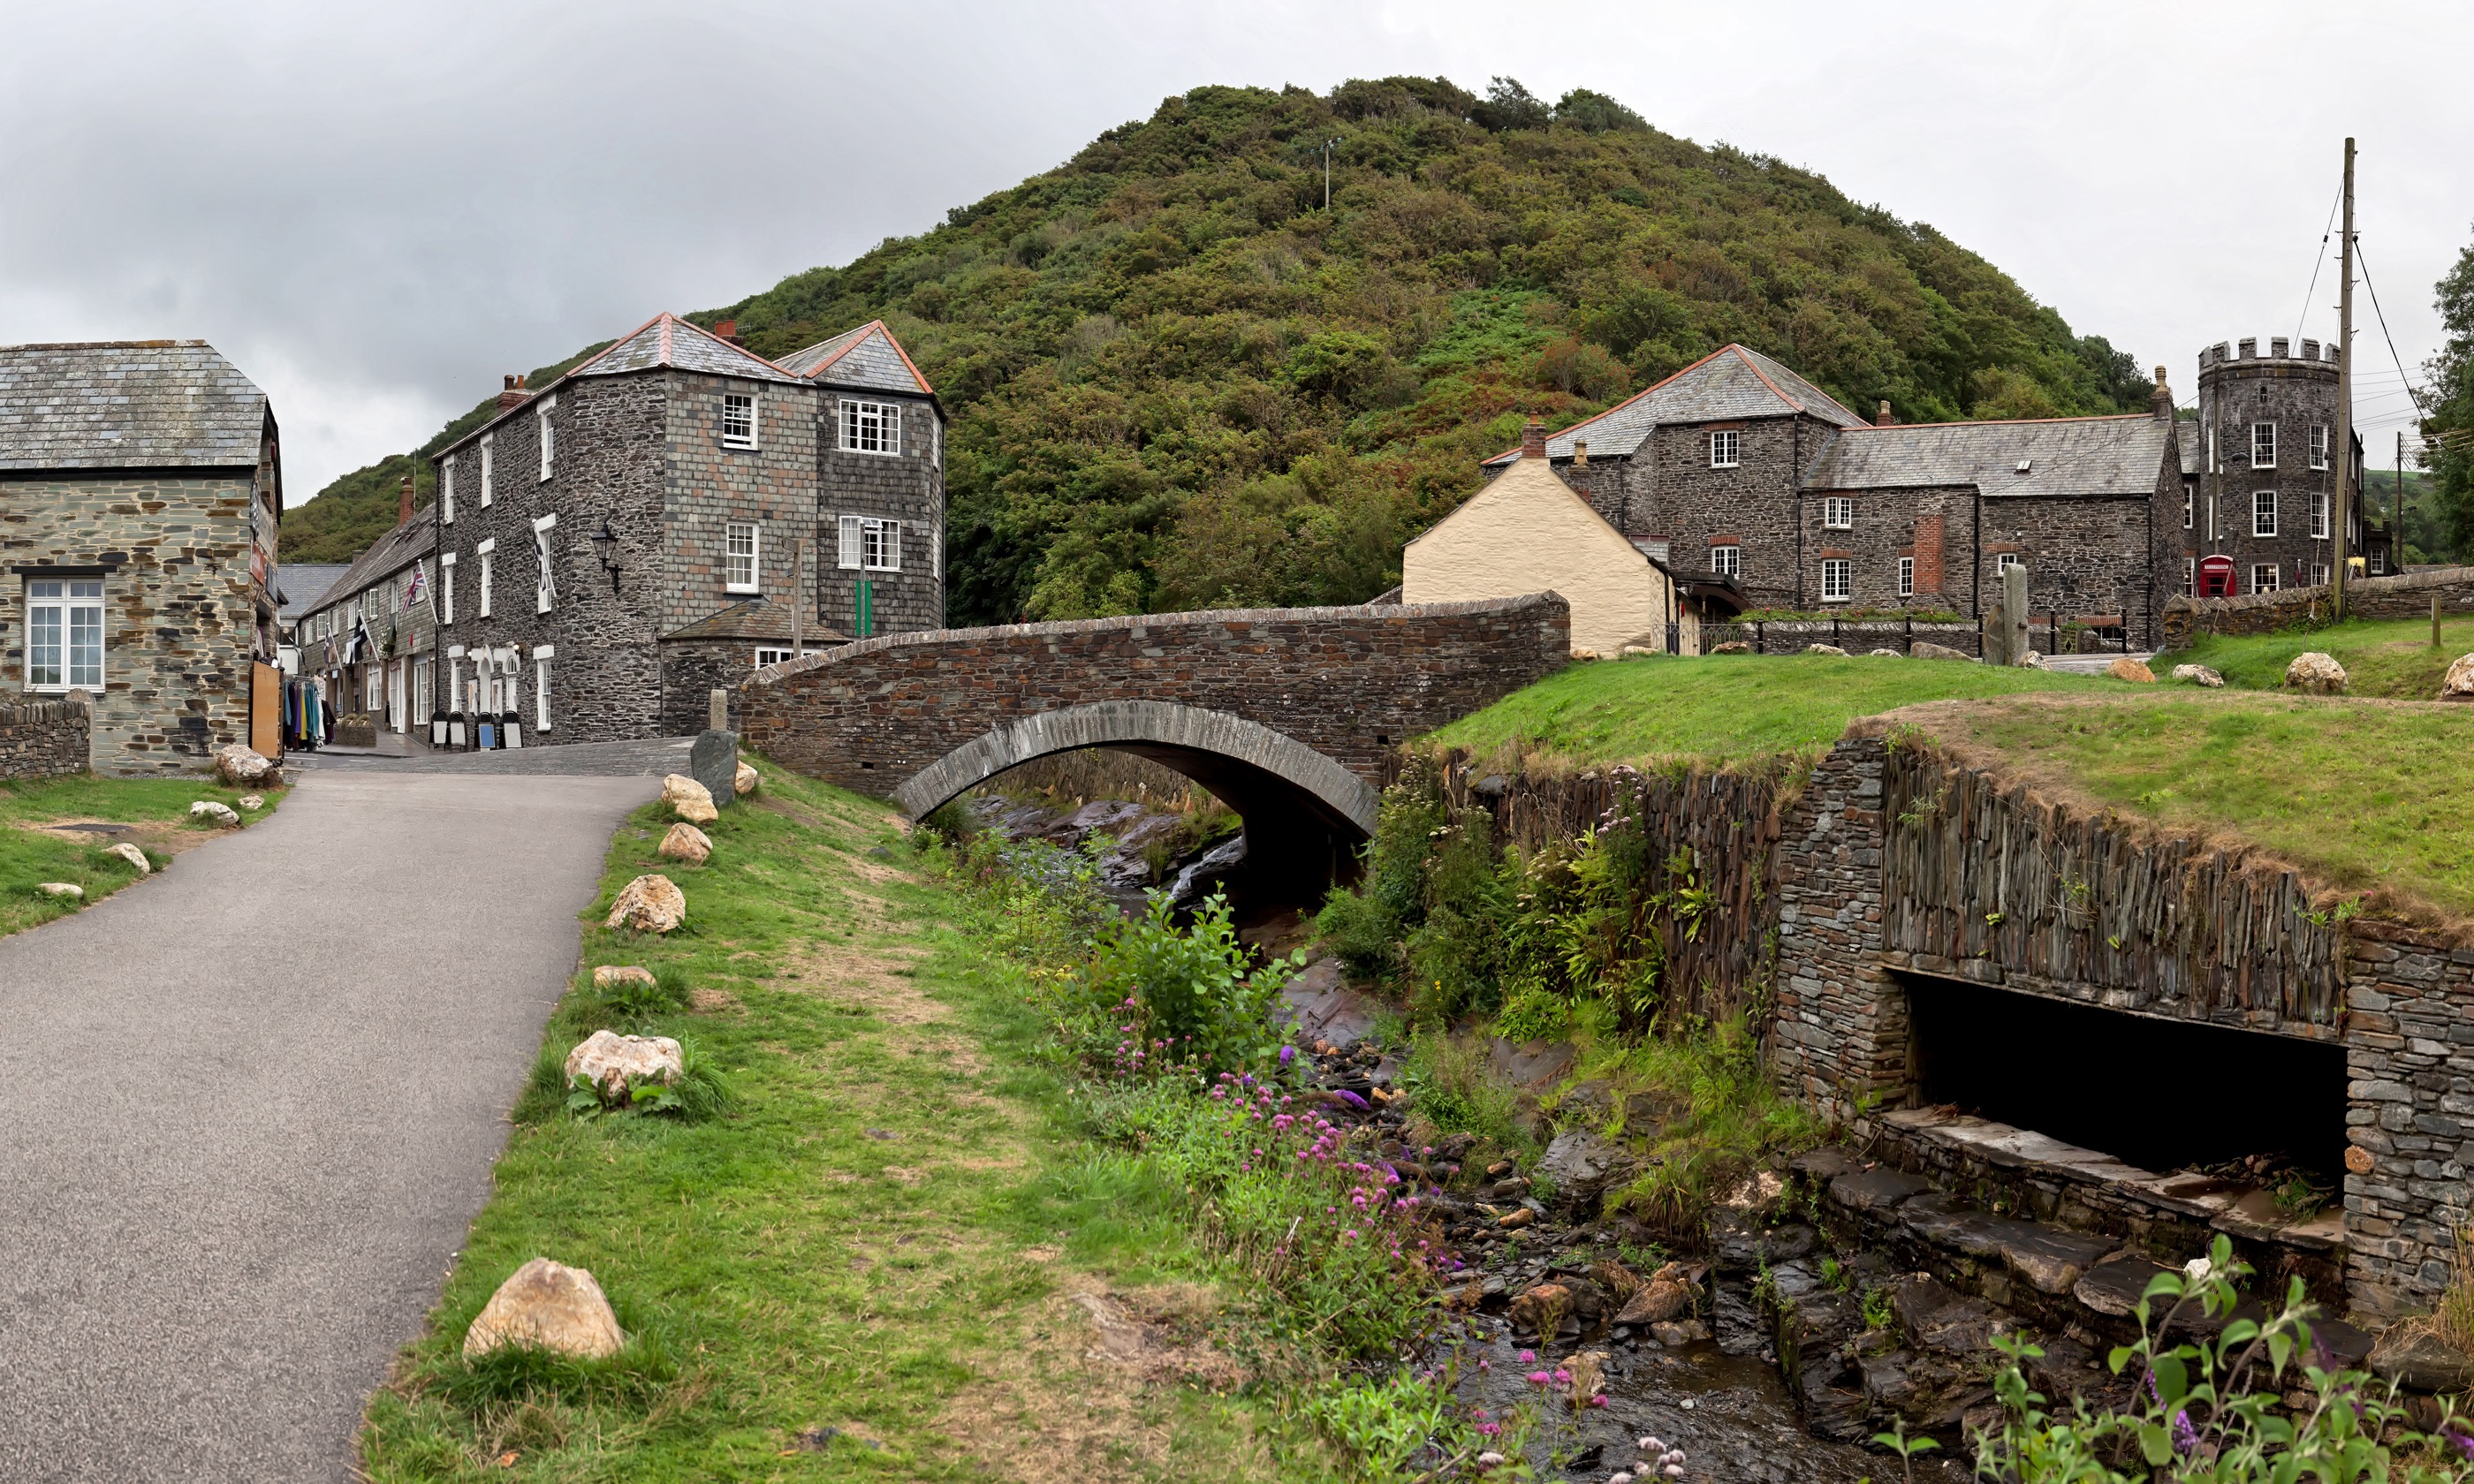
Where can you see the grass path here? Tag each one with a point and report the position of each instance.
(896, 1259)
(156, 811)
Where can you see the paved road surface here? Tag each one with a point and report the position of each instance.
(249, 1107)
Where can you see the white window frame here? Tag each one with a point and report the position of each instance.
(2004, 560)
(548, 435)
(2319, 515)
(883, 423)
(731, 532)
(2319, 441)
(1839, 573)
(446, 587)
(545, 581)
(484, 551)
(1906, 576)
(869, 544)
(773, 654)
(446, 492)
(2190, 577)
(2318, 574)
(1727, 559)
(2190, 503)
(2377, 562)
(2264, 570)
(543, 655)
(1837, 513)
(68, 606)
(2263, 513)
(744, 439)
(1726, 448)
(2263, 445)
(935, 443)
(487, 477)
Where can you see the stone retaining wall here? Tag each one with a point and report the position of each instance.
(1792, 636)
(44, 739)
(2407, 595)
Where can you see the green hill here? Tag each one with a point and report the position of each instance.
(1176, 380)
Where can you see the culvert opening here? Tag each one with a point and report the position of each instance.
(2161, 1094)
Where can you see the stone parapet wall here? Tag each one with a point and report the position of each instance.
(2407, 595)
(2410, 1060)
(1840, 1039)
(1857, 637)
(45, 739)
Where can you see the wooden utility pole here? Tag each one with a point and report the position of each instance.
(2344, 392)
(2396, 511)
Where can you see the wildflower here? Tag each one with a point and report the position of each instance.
(1537, 1378)
(1528, 1356)
(1287, 1054)
(2185, 1438)
(2196, 1270)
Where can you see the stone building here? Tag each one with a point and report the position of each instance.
(675, 512)
(142, 482)
(2260, 474)
(369, 641)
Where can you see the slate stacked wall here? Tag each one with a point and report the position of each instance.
(179, 615)
(908, 486)
(2407, 596)
(1671, 493)
(2296, 395)
(44, 739)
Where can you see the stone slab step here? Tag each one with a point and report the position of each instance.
(2050, 1258)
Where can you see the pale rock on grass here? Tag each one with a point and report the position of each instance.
(209, 809)
(612, 975)
(2135, 671)
(617, 1064)
(2457, 685)
(747, 782)
(135, 856)
(548, 1305)
(68, 889)
(689, 799)
(686, 843)
(2316, 673)
(649, 904)
(2199, 675)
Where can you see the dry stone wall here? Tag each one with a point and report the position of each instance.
(2409, 595)
(44, 739)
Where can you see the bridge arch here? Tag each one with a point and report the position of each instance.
(1304, 812)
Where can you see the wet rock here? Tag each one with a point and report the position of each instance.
(2066, 1369)
(1932, 1393)
(1580, 1165)
(1646, 1115)
(1676, 1333)
(1741, 1243)
(2114, 1288)
(1836, 1404)
(1513, 1221)
(1936, 1317)
(2126, 668)
(1198, 882)
(2316, 673)
(1328, 1011)
(1876, 1191)
(1588, 1373)
(1100, 815)
(2199, 675)
(1620, 1281)
(1589, 1299)
(1741, 1331)
(1666, 1295)
(1541, 1309)
(1490, 787)
(1586, 1105)
(1530, 1064)
(2413, 1354)
(2050, 1258)
(1825, 1165)
(1926, 649)
(2457, 685)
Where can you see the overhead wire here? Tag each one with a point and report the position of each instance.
(2383, 316)
(2321, 261)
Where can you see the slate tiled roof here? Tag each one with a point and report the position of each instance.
(868, 358)
(2076, 456)
(2194, 449)
(126, 404)
(303, 583)
(413, 540)
(1729, 383)
(666, 340)
(753, 619)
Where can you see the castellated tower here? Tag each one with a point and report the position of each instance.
(2266, 491)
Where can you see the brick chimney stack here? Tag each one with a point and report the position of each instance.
(403, 504)
(1532, 440)
(728, 329)
(513, 394)
(1884, 417)
(2160, 402)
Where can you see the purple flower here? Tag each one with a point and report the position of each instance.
(2185, 1438)
(1287, 1054)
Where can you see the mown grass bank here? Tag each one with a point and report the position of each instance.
(155, 810)
(2391, 658)
(896, 1256)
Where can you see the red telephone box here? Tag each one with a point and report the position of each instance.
(2215, 576)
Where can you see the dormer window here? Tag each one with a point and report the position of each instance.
(2026, 466)
(1724, 448)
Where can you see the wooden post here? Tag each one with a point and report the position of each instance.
(2435, 620)
(2344, 460)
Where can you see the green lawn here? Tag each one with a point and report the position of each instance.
(894, 1236)
(2393, 659)
(158, 807)
(1726, 708)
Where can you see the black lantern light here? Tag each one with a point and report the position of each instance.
(605, 546)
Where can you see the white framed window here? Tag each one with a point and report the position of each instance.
(374, 689)
(1838, 514)
(2190, 504)
(869, 546)
(548, 437)
(1727, 561)
(64, 633)
(484, 551)
(935, 443)
(1906, 576)
(2004, 560)
(542, 656)
(545, 581)
(2319, 516)
(1837, 579)
(2318, 446)
(2263, 577)
(936, 554)
(2263, 445)
(739, 557)
(739, 420)
(446, 492)
(871, 427)
(446, 588)
(1725, 449)
(766, 654)
(2320, 576)
(2263, 513)
(486, 478)
(2190, 577)
(2379, 561)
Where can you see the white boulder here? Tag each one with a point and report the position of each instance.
(2316, 673)
(1825, 649)
(617, 1064)
(548, 1305)
(689, 799)
(2199, 675)
(2457, 685)
(649, 904)
(68, 889)
(1926, 649)
(135, 856)
(610, 976)
(216, 813)
(686, 843)
(239, 765)
(747, 780)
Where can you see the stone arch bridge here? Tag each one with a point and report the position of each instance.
(1285, 714)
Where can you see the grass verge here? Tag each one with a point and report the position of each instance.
(153, 811)
(2391, 658)
(897, 1257)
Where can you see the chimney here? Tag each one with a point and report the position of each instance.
(513, 394)
(728, 329)
(1532, 440)
(1884, 417)
(2160, 402)
(403, 504)
(1580, 454)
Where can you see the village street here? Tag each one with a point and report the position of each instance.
(250, 1107)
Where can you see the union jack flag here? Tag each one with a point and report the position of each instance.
(415, 585)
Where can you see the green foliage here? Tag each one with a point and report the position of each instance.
(1387, 1428)
(2215, 1409)
(1198, 989)
(1450, 1087)
(2448, 407)
(2391, 658)
(1533, 1014)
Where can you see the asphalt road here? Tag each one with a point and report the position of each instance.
(249, 1107)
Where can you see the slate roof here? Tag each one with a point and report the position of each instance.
(2076, 456)
(666, 340)
(752, 619)
(389, 554)
(126, 404)
(868, 358)
(303, 584)
(1731, 382)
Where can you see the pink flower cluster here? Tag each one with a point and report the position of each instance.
(1364, 1201)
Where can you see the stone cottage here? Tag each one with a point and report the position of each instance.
(142, 482)
(369, 641)
(676, 511)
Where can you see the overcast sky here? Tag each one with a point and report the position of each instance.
(376, 211)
